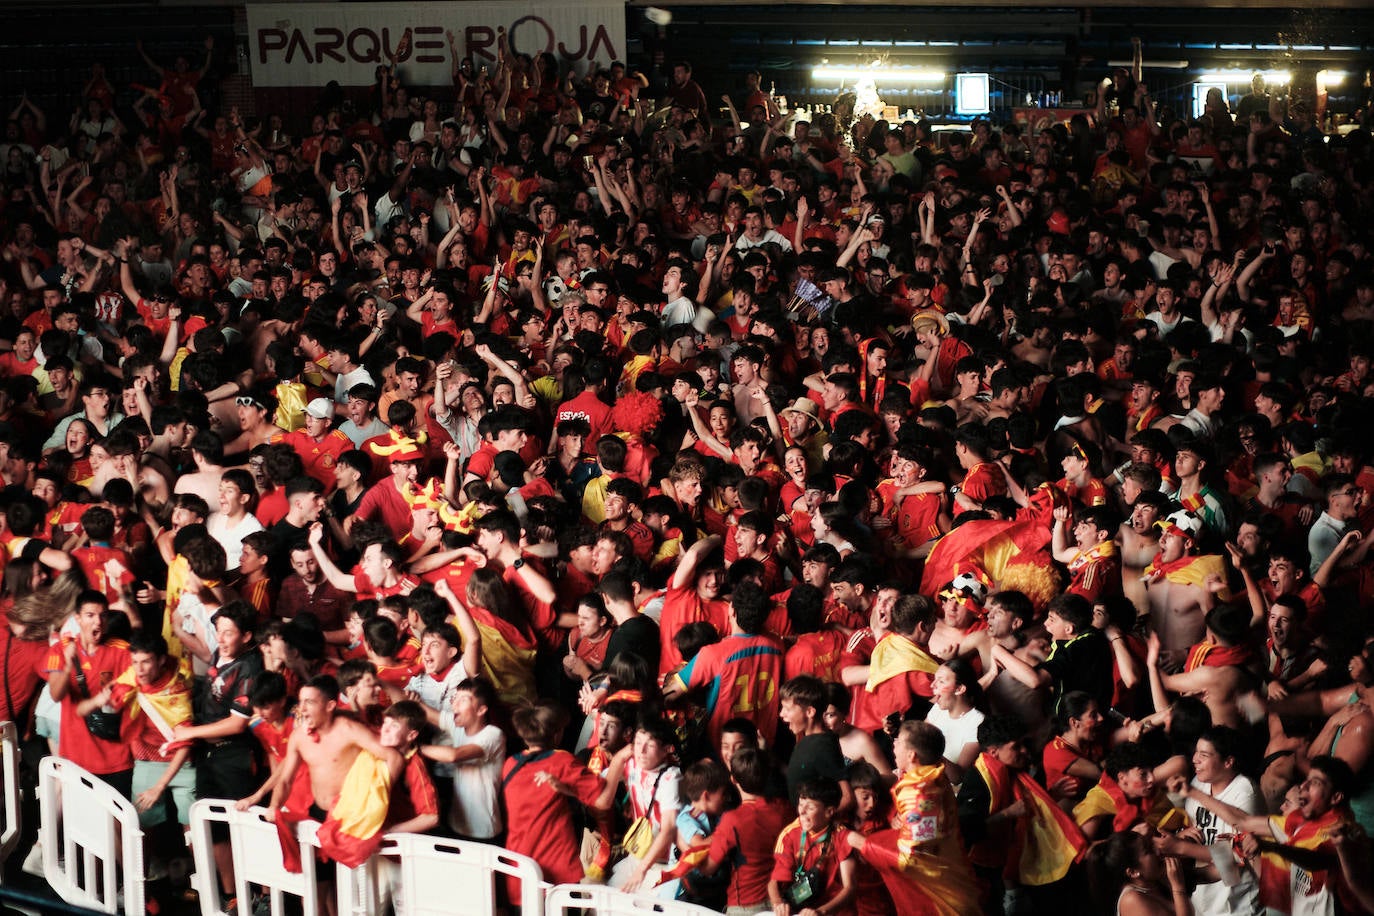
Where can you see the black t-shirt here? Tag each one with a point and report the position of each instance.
(1082, 663)
(638, 635)
(284, 536)
(815, 757)
(225, 690)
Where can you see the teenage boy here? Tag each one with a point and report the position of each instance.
(414, 805)
(1081, 658)
(813, 871)
(817, 755)
(746, 836)
(1094, 568)
(476, 750)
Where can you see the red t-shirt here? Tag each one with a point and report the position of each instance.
(76, 743)
(798, 852)
(595, 411)
(26, 668)
(539, 823)
(92, 561)
(319, 457)
(746, 838)
(742, 675)
(816, 654)
(385, 503)
(682, 606)
(415, 795)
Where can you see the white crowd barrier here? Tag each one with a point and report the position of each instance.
(420, 875)
(568, 899)
(257, 860)
(101, 849)
(9, 764)
(439, 877)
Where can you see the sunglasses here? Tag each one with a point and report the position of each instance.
(248, 402)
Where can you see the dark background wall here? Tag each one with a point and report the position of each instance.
(48, 50)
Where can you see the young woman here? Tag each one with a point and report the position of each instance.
(955, 714)
(1076, 752)
(1130, 879)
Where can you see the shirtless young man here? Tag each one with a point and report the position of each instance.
(955, 634)
(1139, 542)
(1175, 586)
(327, 745)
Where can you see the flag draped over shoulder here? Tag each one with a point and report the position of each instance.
(166, 708)
(507, 656)
(895, 656)
(923, 862)
(352, 831)
(1189, 570)
(1047, 841)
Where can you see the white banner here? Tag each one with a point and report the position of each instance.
(309, 44)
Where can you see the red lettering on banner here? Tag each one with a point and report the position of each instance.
(368, 55)
(478, 38)
(575, 55)
(297, 42)
(269, 40)
(602, 37)
(329, 48)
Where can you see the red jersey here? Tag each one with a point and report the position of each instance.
(816, 654)
(319, 457)
(796, 851)
(385, 503)
(587, 406)
(915, 518)
(414, 795)
(100, 668)
(92, 561)
(742, 675)
(26, 669)
(539, 823)
(982, 481)
(1093, 493)
(682, 606)
(746, 838)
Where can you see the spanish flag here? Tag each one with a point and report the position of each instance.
(1009, 554)
(1189, 570)
(1211, 655)
(166, 705)
(1047, 841)
(353, 830)
(895, 656)
(507, 656)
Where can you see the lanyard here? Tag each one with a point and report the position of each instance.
(823, 841)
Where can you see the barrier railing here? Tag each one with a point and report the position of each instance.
(9, 764)
(439, 877)
(101, 848)
(566, 899)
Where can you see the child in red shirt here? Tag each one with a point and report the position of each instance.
(414, 803)
(812, 866)
(747, 835)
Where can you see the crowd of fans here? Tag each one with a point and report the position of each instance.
(845, 517)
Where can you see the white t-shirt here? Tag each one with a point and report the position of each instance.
(438, 694)
(195, 619)
(231, 538)
(1216, 898)
(475, 812)
(958, 732)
